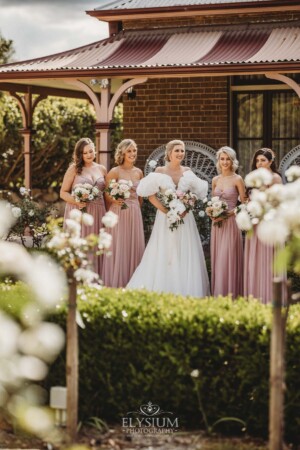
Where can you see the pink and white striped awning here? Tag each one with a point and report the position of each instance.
(159, 49)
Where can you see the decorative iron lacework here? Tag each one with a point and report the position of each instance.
(292, 158)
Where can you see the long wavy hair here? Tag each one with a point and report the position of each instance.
(78, 153)
(267, 153)
(121, 150)
(232, 155)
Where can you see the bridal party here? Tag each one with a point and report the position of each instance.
(173, 261)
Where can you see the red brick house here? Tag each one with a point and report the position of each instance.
(212, 71)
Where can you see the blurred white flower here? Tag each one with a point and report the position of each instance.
(201, 213)
(73, 227)
(75, 214)
(31, 213)
(110, 219)
(23, 190)
(292, 173)
(152, 163)
(105, 240)
(258, 178)
(86, 276)
(273, 232)
(6, 218)
(87, 219)
(9, 335)
(243, 221)
(32, 368)
(43, 341)
(16, 211)
(254, 208)
(195, 373)
(47, 280)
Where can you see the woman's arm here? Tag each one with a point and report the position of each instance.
(66, 188)
(158, 205)
(141, 175)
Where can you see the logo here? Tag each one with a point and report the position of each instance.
(150, 419)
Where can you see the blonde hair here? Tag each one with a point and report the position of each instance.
(169, 147)
(232, 155)
(121, 150)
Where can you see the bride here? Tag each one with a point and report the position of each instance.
(173, 260)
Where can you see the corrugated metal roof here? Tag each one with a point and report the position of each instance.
(173, 48)
(137, 4)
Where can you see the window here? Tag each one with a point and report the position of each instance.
(264, 118)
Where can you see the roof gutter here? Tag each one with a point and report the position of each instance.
(155, 72)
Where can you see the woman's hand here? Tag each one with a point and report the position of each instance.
(80, 205)
(118, 202)
(217, 219)
(183, 214)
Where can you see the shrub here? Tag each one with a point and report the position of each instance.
(139, 347)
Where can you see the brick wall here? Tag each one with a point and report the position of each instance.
(180, 108)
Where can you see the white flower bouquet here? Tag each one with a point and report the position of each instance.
(85, 192)
(175, 208)
(119, 189)
(188, 199)
(216, 208)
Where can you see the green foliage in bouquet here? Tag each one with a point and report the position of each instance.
(31, 220)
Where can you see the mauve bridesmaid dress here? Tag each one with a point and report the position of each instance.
(128, 243)
(227, 251)
(96, 209)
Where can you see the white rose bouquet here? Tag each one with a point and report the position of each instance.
(188, 199)
(119, 189)
(175, 208)
(216, 208)
(85, 192)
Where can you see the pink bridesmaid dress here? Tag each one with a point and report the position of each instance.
(128, 243)
(258, 269)
(227, 251)
(96, 209)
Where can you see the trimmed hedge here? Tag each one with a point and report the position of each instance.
(139, 347)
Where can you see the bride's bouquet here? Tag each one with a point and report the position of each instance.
(216, 208)
(177, 202)
(85, 192)
(119, 189)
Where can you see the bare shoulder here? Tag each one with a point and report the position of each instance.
(238, 178)
(160, 169)
(102, 168)
(186, 169)
(113, 173)
(140, 172)
(214, 180)
(277, 178)
(71, 170)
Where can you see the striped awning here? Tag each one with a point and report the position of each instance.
(192, 48)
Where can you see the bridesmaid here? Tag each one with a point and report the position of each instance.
(83, 169)
(258, 260)
(226, 240)
(128, 243)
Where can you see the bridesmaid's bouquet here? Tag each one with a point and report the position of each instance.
(216, 208)
(85, 192)
(119, 189)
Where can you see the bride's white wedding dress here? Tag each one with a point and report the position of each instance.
(173, 260)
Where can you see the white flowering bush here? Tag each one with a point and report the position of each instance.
(275, 210)
(72, 251)
(27, 344)
(31, 219)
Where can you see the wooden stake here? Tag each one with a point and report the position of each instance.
(276, 371)
(72, 363)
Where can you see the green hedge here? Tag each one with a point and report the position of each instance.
(139, 347)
